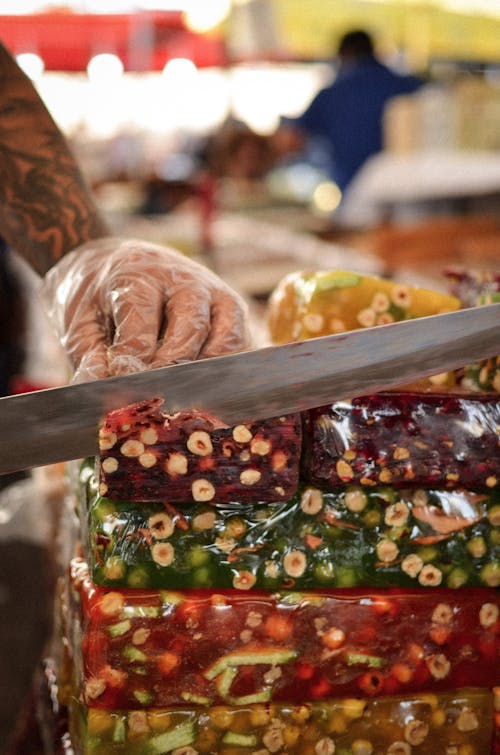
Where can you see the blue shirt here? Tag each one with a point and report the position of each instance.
(347, 115)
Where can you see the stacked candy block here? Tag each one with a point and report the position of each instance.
(187, 628)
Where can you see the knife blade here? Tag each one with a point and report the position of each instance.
(60, 424)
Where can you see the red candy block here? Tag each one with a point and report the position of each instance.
(148, 455)
(153, 648)
(405, 438)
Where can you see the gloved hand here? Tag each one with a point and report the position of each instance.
(126, 305)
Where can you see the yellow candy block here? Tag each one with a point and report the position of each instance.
(311, 304)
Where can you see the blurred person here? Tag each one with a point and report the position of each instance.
(343, 123)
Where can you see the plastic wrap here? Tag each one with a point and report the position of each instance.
(405, 438)
(349, 536)
(125, 305)
(148, 455)
(455, 723)
(311, 304)
(142, 648)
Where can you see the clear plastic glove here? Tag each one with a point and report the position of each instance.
(126, 305)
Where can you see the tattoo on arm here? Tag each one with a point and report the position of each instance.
(46, 208)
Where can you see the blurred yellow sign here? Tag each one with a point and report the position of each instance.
(424, 30)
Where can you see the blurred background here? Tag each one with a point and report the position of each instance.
(175, 111)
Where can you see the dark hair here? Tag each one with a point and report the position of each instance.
(356, 44)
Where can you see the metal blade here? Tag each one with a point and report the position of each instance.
(62, 423)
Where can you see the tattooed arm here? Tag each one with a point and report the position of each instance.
(46, 209)
(119, 305)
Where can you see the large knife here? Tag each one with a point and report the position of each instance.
(62, 423)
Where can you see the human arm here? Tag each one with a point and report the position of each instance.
(119, 305)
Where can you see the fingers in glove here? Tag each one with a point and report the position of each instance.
(188, 324)
(229, 330)
(86, 347)
(137, 315)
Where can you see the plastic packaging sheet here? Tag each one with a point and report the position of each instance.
(343, 537)
(140, 648)
(405, 438)
(455, 722)
(310, 304)
(152, 456)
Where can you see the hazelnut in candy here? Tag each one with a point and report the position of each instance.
(444, 723)
(143, 648)
(343, 537)
(311, 304)
(405, 438)
(148, 455)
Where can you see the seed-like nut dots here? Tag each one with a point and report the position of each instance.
(204, 521)
(106, 440)
(260, 446)
(412, 565)
(488, 615)
(250, 476)
(94, 688)
(387, 550)
(202, 490)
(325, 746)
(430, 576)
(313, 322)
(416, 732)
(161, 526)
(399, 748)
(109, 465)
(442, 614)
(344, 470)
(279, 461)
(380, 302)
(140, 636)
(163, 554)
(295, 563)
(355, 500)
(176, 464)
(147, 460)
(132, 448)
(200, 443)
(438, 665)
(111, 603)
(467, 721)
(311, 501)
(149, 436)
(273, 739)
(242, 434)
(361, 747)
(397, 514)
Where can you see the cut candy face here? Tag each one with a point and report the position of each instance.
(405, 438)
(395, 725)
(147, 455)
(343, 537)
(141, 648)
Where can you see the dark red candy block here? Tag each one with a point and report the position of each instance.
(405, 438)
(473, 286)
(148, 455)
(158, 648)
